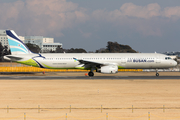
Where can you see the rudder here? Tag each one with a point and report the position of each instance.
(15, 44)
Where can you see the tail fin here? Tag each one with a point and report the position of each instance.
(15, 44)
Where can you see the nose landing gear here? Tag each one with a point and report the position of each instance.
(157, 74)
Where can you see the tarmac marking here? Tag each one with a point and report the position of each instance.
(85, 77)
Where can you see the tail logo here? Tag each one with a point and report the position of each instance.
(15, 44)
(75, 59)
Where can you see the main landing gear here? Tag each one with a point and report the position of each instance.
(91, 74)
(157, 74)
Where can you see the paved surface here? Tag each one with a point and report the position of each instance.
(85, 77)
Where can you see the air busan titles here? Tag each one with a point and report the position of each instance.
(108, 63)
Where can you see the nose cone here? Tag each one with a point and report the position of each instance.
(174, 63)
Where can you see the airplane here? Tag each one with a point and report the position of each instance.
(107, 63)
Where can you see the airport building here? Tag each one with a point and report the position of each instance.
(3, 38)
(45, 43)
(38, 40)
(50, 46)
(21, 38)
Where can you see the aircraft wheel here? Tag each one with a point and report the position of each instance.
(91, 74)
(157, 74)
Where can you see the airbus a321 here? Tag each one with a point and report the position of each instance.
(107, 63)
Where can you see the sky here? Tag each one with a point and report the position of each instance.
(146, 26)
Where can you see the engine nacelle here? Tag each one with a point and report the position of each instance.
(108, 69)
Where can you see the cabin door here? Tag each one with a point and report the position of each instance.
(123, 61)
(158, 60)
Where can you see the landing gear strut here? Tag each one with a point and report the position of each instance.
(91, 74)
(157, 74)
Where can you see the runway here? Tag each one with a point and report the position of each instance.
(88, 78)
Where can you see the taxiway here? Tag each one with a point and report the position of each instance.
(86, 77)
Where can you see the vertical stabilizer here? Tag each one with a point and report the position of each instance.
(15, 44)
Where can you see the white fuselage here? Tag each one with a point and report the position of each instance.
(122, 60)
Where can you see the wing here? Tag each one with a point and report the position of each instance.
(92, 63)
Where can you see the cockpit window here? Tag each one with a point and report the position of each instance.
(167, 58)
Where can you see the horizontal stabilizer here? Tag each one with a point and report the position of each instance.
(12, 58)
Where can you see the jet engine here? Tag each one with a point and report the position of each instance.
(108, 69)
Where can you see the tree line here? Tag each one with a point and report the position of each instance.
(112, 47)
(3, 51)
